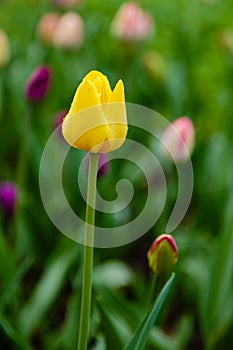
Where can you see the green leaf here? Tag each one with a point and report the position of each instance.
(14, 283)
(7, 260)
(139, 340)
(13, 335)
(113, 274)
(45, 292)
(99, 343)
(219, 301)
(113, 327)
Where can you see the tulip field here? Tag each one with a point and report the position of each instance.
(116, 177)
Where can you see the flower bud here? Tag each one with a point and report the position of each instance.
(46, 27)
(163, 255)
(179, 139)
(96, 121)
(8, 198)
(4, 49)
(225, 39)
(69, 31)
(38, 84)
(131, 23)
(154, 63)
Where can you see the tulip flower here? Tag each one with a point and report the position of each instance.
(4, 49)
(131, 23)
(96, 121)
(38, 84)
(46, 27)
(8, 197)
(154, 62)
(179, 139)
(69, 31)
(225, 39)
(163, 255)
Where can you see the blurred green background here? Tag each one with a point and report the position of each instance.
(185, 67)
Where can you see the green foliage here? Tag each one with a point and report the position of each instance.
(140, 337)
(40, 270)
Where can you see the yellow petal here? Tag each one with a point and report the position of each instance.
(118, 94)
(85, 97)
(102, 85)
(116, 115)
(94, 74)
(85, 125)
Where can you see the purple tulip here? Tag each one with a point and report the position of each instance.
(103, 165)
(8, 198)
(38, 83)
(58, 122)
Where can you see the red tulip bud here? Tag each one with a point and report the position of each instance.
(163, 255)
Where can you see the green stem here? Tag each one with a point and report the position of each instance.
(157, 283)
(88, 254)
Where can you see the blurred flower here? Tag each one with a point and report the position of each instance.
(225, 39)
(153, 61)
(66, 3)
(46, 27)
(58, 122)
(8, 198)
(179, 139)
(163, 255)
(38, 83)
(4, 49)
(132, 23)
(69, 31)
(103, 165)
(103, 128)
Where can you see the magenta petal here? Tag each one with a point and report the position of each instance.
(8, 197)
(38, 84)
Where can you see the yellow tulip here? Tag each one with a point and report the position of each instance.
(96, 121)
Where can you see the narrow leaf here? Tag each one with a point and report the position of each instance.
(46, 292)
(13, 335)
(139, 340)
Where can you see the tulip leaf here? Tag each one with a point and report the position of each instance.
(219, 299)
(45, 292)
(139, 339)
(12, 334)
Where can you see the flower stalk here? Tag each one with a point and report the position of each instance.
(88, 254)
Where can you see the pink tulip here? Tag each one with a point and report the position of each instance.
(179, 139)
(131, 23)
(69, 31)
(46, 27)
